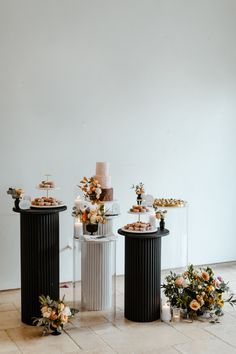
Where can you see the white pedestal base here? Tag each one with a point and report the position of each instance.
(96, 274)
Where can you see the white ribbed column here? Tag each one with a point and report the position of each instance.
(96, 275)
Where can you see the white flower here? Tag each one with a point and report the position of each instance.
(47, 314)
(66, 311)
(93, 219)
(98, 191)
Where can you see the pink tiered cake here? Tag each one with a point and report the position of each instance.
(103, 177)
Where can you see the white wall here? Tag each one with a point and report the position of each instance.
(148, 85)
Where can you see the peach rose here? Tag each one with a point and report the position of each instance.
(194, 305)
(179, 281)
(53, 316)
(205, 275)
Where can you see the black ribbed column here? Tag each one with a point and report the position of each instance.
(142, 275)
(39, 259)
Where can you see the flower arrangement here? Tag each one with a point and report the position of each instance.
(161, 214)
(16, 193)
(197, 291)
(91, 188)
(54, 313)
(90, 215)
(139, 188)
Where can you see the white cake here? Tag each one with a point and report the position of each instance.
(102, 174)
(104, 179)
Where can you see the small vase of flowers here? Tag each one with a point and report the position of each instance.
(16, 194)
(54, 315)
(91, 216)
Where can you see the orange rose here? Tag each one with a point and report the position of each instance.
(194, 305)
(84, 217)
(53, 316)
(205, 275)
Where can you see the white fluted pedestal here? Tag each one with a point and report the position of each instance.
(97, 273)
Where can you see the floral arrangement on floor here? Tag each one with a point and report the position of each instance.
(91, 188)
(90, 215)
(16, 193)
(197, 291)
(54, 314)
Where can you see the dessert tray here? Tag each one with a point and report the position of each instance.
(46, 206)
(139, 232)
(170, 203)
(138, 209)
(139, 227)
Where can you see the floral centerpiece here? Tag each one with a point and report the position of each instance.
(91, 216)
(160, 214)
(139, 190)
(197, 291)
(91, 188)
(54, 314)
(16, 194)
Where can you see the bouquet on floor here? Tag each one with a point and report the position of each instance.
(54, 314)
(197, 291)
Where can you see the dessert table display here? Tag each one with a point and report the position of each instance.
(95, 247)
(39, 233)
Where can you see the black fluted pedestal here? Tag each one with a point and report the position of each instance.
(142, 275)
(39, 230)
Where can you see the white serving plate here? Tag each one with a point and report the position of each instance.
(139, 232)
(139, 213)
(46, 206)
(47, 189)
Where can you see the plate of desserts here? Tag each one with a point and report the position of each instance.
(138, 209)
(46, 202)
(139, 227)
(171, 202)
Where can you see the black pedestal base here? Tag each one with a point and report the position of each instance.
(142, 275)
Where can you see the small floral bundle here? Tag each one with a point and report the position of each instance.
(197, 291)
(16, 193)
(91, 215)
(54, 313)
(161, 214)
(91, 188)
(139, 188)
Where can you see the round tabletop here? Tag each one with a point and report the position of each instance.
(42, 210)
(156, 234)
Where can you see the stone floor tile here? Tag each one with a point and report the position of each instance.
(30, 341)
(226, 332)
(143, 338)
(7, 307)
(10, 319)
(206, 346)
(89, 341)
(6, 344)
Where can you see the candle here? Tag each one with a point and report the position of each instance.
(176, 314)
(152, 220)
(165, 313)
(78, 229)
(78, 202)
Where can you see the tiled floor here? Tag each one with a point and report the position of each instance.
(96, 333)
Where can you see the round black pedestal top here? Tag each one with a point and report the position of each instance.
(40, 210)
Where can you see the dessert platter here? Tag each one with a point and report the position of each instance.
(46, 201)
(171, 202)
(139, 227)
(140, 209)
